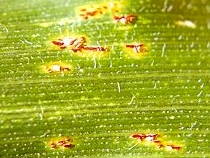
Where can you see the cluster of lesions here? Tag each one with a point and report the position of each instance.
(61, 143)
(114, 8)
(154, 139)
(97, 10)
(80, 45)
(77, 44)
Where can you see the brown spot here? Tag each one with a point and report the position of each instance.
(158, 143)
(62, 143)
(83, 9)
(152, 139)
(138, 48)
(93, 13)
(74, 43)
(139, 136)
(53, 145)
(125, 19)
(59, 42)
(95, 48)
(67, 139)
(173, 147)
(68, 145)
(57, 68)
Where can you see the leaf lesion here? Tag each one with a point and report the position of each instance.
(61, 143)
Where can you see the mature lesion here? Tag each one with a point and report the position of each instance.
(154, 139)
(77, 44)
(74, 43)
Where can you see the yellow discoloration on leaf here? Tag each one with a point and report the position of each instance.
(122, 27)
(92, 54)
(186, 23)
(45, 24)
(63, 21)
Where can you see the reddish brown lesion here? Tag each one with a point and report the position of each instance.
(97, 10)
(57, 68)
(65, 142)
(89, 13)
(77, 44)
(139, 136)
(95, 48)
(137, 48)
(145, 137)
(125, 19)
(113, 8)
(153, 138)
(173, 147)
(74, 43)
(158, 143)
(59, 42)
(83, 9)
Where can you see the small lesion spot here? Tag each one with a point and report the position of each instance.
(125, 19)
(61, 143)
(136, 50)
(57, 67)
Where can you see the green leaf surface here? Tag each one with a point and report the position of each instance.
(104, 99)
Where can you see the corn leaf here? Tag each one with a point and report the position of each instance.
(153, 78)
